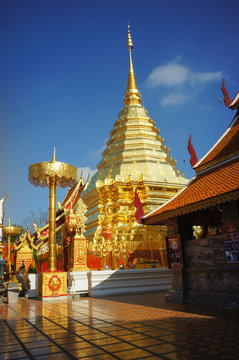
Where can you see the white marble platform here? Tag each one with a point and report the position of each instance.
(77, 282)
(115, 282)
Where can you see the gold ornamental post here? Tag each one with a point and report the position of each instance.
(52, 224)
(10, 230)
(53, 174)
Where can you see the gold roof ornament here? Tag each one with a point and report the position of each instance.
(11, 229)
(132, 94)
(26, 240)
(64, 174)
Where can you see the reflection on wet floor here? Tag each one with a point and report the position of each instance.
(122, 327)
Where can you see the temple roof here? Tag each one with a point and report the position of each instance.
(216, 180)
(73, 194)
(207, 189)
(226, 147)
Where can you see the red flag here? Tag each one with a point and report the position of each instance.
(227, 100)
(192, 152)
(139, 213)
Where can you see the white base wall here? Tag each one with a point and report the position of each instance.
(77, 282)
(33, 292)
(115, 282)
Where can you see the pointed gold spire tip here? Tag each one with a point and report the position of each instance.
(54, 155)
(132, 94)
(129, 39)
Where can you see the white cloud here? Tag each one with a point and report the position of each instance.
(173, 99)
(206, 77)
(185, 81)
(86, 171)
(173, 74)
(168, 75)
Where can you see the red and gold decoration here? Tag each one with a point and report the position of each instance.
(107, 246)
(78, 254)
(52, 284)
(77, 245)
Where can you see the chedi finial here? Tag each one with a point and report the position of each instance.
(132, 94)
(129, 39)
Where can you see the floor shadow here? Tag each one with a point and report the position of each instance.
(157, 300)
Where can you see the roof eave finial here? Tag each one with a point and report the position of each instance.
(231, 104)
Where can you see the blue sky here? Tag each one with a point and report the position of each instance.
(63, 74)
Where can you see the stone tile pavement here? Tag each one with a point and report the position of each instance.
(119, 327)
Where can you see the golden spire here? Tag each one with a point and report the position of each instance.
(132, 94)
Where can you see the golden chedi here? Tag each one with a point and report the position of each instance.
(135, 157)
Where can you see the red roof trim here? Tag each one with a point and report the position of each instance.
(209, 157)
(234, 102)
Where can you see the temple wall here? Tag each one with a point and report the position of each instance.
(207, 277)
(204, 252)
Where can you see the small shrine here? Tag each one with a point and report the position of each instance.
(24, 252)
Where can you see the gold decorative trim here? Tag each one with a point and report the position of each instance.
(40, 173)
(27, 239)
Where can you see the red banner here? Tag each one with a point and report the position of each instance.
(139, 213)
(227, 100)
(192, 152)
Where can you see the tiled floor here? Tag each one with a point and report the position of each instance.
(123, 327)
